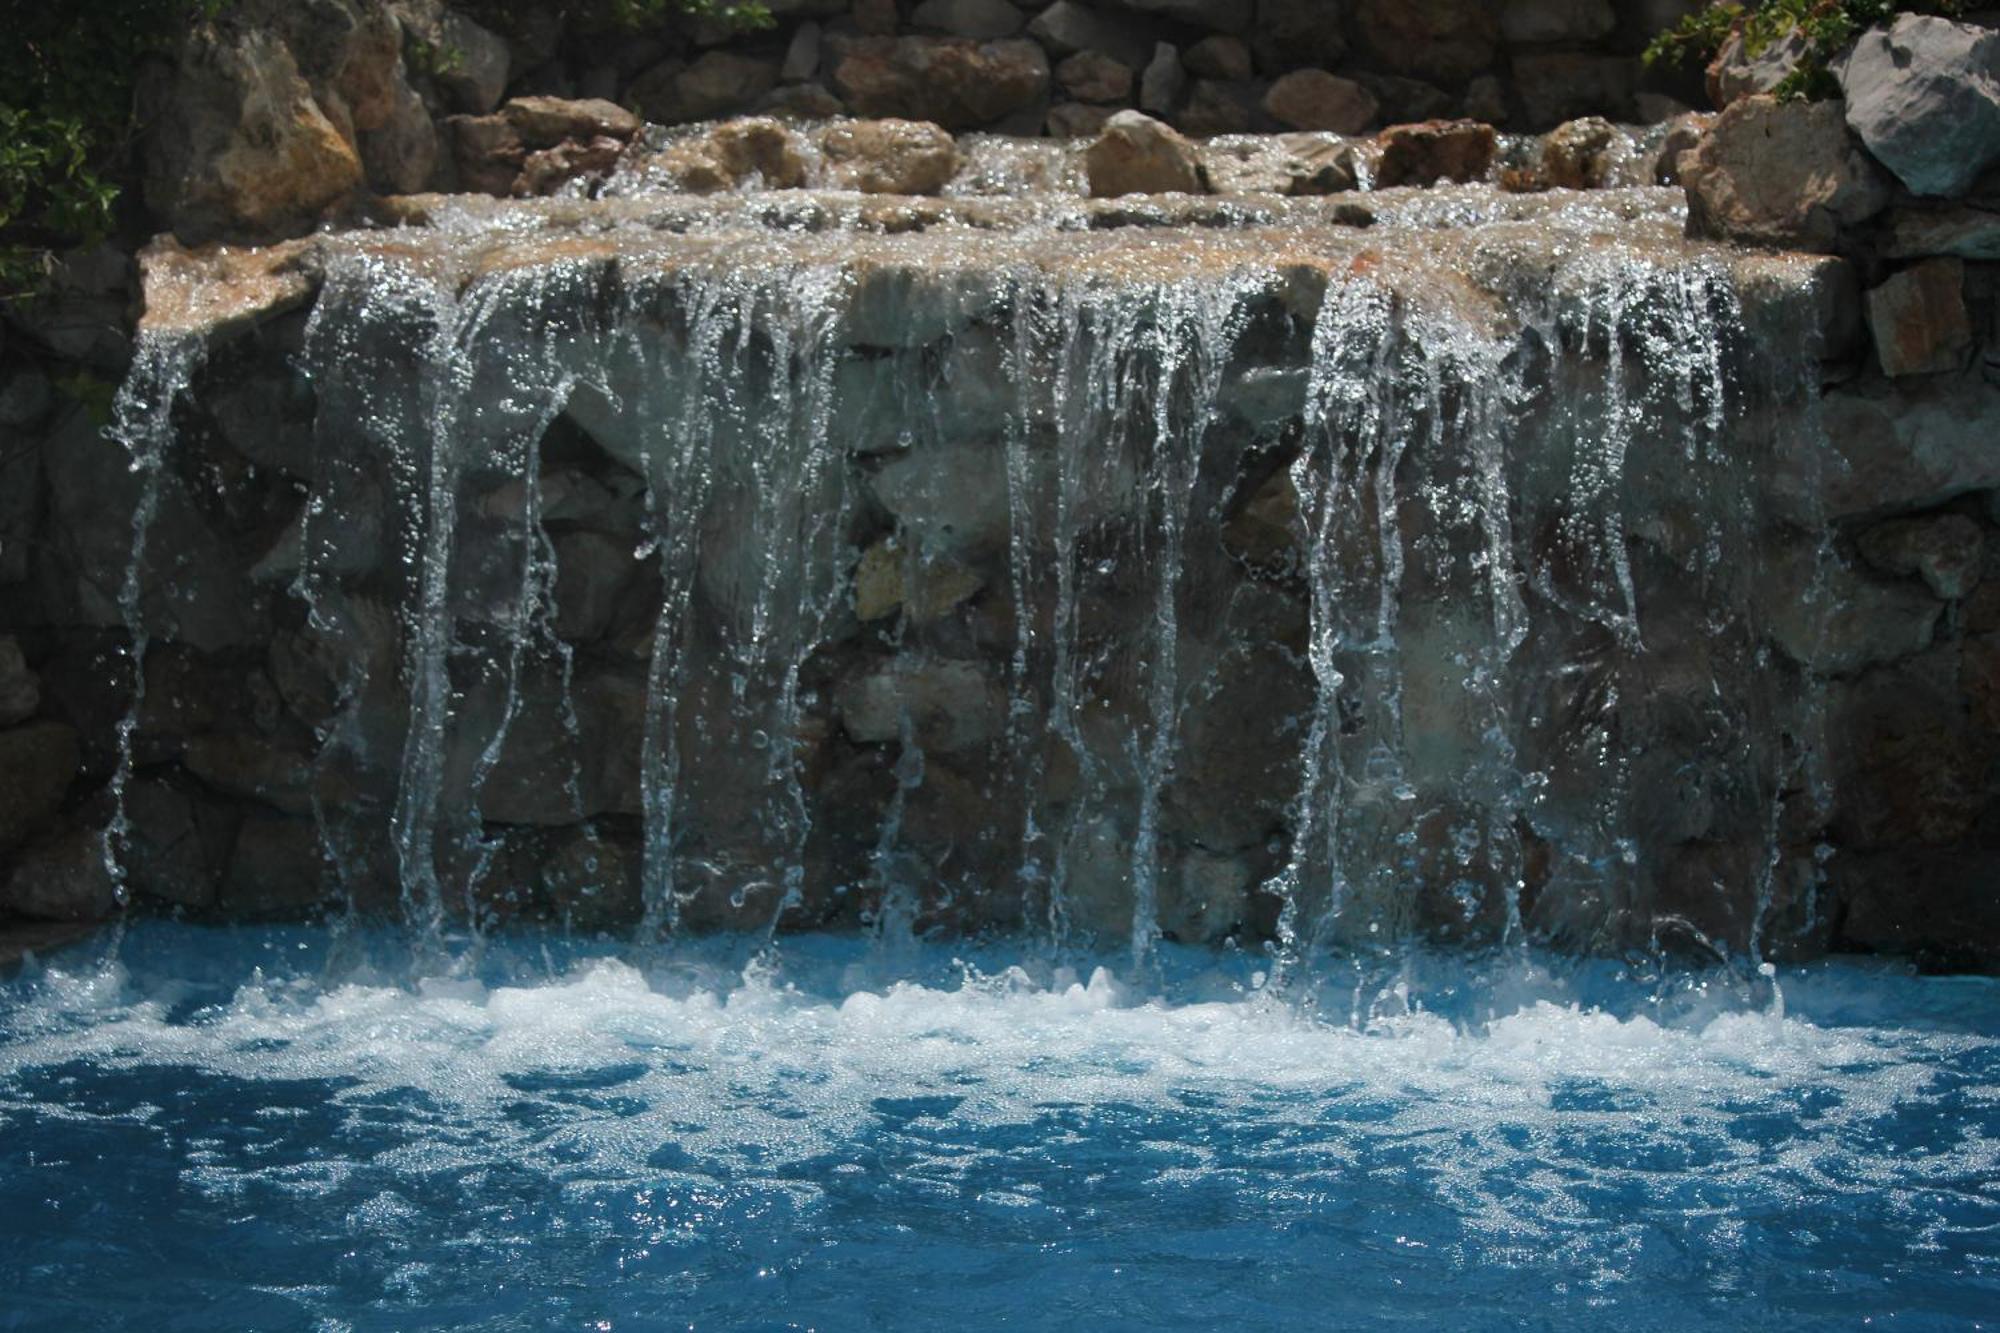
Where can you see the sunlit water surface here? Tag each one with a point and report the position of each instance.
(282, 1129)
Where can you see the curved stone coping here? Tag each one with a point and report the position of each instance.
(1455, 243)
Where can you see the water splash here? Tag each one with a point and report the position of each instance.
(163, 366)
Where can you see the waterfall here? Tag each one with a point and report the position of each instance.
(162, 368)
(1115, 585)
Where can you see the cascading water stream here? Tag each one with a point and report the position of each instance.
(163, 366)
(1042, 466)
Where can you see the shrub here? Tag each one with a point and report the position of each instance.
(1826, 25)
(66, 125)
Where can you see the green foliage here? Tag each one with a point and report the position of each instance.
(1826, 26)
(66, 118)
(430, 59)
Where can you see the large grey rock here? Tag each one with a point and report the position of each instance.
(1835, 622)
(1924, 95)
(1893, 448)
(469, 63)
(178, 844)
(1965, 233)
(195, 584)
(1908, 760)
(1219, 56)
(569, 753)
(37, 764)
(355, 62)
(1532, 22)
(959, 84)
(1406, 100)
(276, 871)
(20, 689)
(952, 706)
(1781, 173)
(250, 767)
(1138, 155)
(474, 72)
(983, 19)
(1206, 898)
(1164, 81)
(1218, 15)
(1288, 34)
(1815, 298)
(718, 83)
(1947, 551)
(1312, 99)
(24, 397)
(63, 879)
(1068, 26)
(1919, 319)
(909, 305)
(1555, 86)
(1092, 76)
(801, 60)
(267, 420)
(952, 499)
(592, 572)
(591, 882)
(1440, 41)
(1215, 107)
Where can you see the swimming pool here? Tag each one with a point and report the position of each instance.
(310, 1129)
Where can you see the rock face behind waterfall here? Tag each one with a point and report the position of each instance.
(639, 561)
(1311, 539)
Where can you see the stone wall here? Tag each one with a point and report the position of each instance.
(663, 559)
(1888, 620)
(1899, 178)
(279, 114)
(1206, 66)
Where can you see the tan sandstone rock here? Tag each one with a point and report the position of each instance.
(889, 156)
(1138, 155)
(1436, 150)
(1919, 319)
(1781, 173)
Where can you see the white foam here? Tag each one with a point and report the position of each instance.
(761, 1068)
(1545, 1128)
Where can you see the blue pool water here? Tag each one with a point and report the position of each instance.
(294, 1129)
